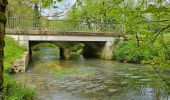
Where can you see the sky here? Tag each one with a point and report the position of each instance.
(63, 8)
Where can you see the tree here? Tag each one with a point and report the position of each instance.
(101, 14)
(3, 19)
(16, 8)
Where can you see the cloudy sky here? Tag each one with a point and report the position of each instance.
(61, 11)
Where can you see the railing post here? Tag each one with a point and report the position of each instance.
(8, 24)
(78, 23)
(31, 23)
(47, 24)
(13, 23)
(36, 23)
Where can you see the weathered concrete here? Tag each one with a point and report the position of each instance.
(107, 51)
(96, 44)
(64, 53)
(92, 49)
(21, 64)
(62, 33)
(64, 47)
(100, 49)
(59, 38)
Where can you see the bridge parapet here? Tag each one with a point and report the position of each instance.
(64, 25)
(61, 33)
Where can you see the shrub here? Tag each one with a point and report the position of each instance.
(130, 52)
(76, 47)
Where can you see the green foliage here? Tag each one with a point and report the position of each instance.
(12, 52)
(38, 47)
(95, 14)
(163, 53)
(150, 19)
(48, 3)
(117, 41)
(145, 20)
(24, 8)
(76, 47)
(15, 91)
(130, 52)
(19, 8)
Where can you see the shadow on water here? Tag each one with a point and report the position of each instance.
(89, 79)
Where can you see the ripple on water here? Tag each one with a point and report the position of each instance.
(105, 80)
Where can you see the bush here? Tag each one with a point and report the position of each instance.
(76, 47)
(130, 52)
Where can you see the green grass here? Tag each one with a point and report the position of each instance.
(13, 90)
(16, 91)
(12, 52)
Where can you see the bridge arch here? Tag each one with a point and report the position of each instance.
(90, 49)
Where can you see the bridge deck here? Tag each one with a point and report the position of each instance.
(64, 33)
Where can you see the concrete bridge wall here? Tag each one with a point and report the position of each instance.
(60, 38)
(91, 49)
(21, 64)
(95, 46)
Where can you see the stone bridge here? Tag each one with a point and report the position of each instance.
(97, 43)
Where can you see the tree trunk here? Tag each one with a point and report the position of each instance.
(3, 19)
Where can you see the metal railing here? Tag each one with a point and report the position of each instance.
(63, 25)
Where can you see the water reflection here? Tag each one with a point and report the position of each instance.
(89, 79)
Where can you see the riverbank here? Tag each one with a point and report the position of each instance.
(13, 90)
(140, 49)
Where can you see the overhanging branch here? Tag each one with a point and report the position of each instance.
(159, 32)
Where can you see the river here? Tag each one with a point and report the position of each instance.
(89, 79)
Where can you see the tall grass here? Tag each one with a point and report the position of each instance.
(13, 90)
(16, 91)
(12, 52)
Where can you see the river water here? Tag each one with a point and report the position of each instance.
(90, 79)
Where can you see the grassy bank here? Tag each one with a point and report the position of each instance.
(13, 90)
(12, 52)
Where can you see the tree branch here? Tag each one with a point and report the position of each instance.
(111, 7)
(159, 32)
(144, 21)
